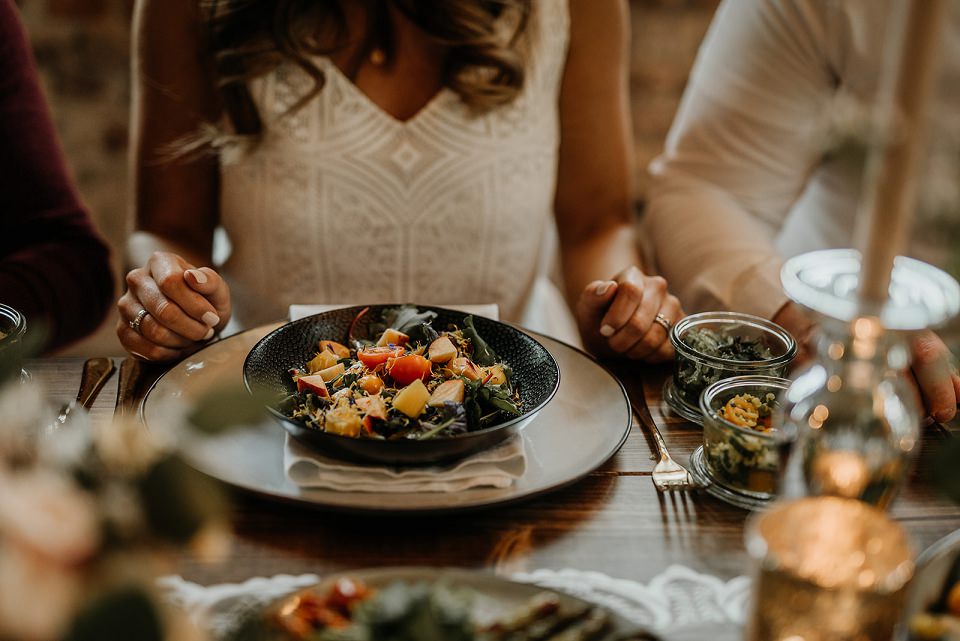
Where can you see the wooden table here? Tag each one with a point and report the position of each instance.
(613, 521)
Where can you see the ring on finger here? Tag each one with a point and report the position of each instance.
(135, 323)
(663, 322)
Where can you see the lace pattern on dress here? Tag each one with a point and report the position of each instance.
(341, 201)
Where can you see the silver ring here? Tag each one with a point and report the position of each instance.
(663, 322)
(135, 323)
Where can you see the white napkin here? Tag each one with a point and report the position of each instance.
(491, 310)
(499, 466)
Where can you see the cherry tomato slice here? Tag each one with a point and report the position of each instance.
(373, 356)
(409, 368)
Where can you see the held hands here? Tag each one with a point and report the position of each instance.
(629, 316)
(170, 307)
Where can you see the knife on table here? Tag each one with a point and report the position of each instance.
(96, 372)
(126, 387)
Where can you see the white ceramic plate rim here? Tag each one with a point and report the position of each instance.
(497, 595)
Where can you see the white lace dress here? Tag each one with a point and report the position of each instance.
(342, 203)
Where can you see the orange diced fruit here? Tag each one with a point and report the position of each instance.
(340, 351)
(463, 366)
(412, 399)
(331, 372)
(447, 391)
(322, 361)
(313, 383)
(494, 375)
(392, 337)
(344, 421)
(442, 350)
(373, 406)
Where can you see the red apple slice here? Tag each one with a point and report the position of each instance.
(313, 383)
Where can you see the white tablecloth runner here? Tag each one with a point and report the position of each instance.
(679, 603)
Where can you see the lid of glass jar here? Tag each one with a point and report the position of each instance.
(825, 281)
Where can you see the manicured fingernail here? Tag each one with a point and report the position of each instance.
(198, 275)
(208, 335)
(603, 288)
(607, 331)
(211, 319)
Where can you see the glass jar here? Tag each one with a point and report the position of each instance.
(853, 416)
(696, 369)
(741, 459)
(13, 327)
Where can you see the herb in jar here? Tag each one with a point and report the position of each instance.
(732, 348)
(692, 377)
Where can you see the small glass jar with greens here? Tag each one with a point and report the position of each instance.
(740, 442)
(712, 346)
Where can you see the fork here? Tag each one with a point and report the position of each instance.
(668, 475)
(96, 372)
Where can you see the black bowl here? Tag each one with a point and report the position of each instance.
(267, 368)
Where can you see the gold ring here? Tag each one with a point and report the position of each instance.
(135, 323)
(663, 322)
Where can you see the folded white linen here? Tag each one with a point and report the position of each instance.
(491, 310)
(498, 466)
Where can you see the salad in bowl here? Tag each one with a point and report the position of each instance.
(402, 384)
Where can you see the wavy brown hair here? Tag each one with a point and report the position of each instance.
(249, 38)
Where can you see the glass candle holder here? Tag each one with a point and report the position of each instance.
(826, 569)
(853, 415)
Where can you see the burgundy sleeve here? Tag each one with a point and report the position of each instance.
(54, 267)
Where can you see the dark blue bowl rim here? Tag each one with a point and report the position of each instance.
(409, 442)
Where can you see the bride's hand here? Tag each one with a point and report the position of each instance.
(170, 307)
(629, 316)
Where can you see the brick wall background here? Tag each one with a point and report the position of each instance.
(82, 49)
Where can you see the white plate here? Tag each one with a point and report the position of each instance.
(495, 598)
(578, 431)
(929, 579)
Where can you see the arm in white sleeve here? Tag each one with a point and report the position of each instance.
(740, 152)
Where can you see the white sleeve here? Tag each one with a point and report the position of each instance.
(740, 152)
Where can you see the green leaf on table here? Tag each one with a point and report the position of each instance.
(229, 407)
(120, 615)
(178, 501)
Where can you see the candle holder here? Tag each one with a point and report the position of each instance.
(852, 418)
(826, 569)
